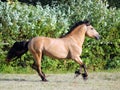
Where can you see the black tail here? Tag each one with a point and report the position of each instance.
(17, 50)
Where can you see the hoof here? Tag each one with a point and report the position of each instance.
(77, 73)
(85, 76)
(45, 80)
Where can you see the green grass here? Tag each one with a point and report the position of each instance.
(28, 70)
(16, 70)
(111, 70)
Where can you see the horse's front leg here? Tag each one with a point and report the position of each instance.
(85, 74)
(82, 65)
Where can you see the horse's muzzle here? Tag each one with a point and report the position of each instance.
(97, 37)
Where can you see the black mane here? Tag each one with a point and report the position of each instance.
(75, 25)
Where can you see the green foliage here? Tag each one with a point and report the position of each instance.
(114, 3)
(23, 22)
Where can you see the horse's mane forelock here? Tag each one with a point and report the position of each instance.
(75, 25)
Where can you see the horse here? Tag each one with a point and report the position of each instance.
(68, 46)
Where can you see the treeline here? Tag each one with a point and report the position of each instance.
(20, 22)
(112, 3)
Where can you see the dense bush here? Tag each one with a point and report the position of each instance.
(112, 3)
(23, 22)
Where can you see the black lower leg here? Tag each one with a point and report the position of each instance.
(41, 74)
(77, 73)
(84, 75)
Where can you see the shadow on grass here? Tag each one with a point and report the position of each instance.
(18, 80)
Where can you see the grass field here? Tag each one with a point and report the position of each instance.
(96, 81)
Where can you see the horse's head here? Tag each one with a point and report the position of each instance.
(91, 32)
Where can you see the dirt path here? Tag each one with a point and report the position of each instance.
(96, 81)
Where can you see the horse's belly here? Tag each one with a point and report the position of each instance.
(57, 53)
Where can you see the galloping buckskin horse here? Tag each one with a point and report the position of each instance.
(69, 46)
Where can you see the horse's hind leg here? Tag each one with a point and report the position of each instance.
(37, 65)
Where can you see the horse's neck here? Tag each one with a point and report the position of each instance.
(78, 35)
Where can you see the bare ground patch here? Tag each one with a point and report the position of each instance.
(96, 81)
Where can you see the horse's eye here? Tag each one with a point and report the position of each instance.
(91, 28)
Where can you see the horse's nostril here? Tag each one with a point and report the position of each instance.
(97, 37)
